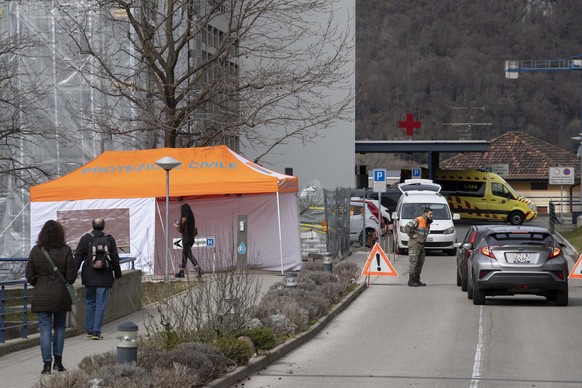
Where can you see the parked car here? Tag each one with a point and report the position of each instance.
(512, 260)
(465, 248)
(364, 222)
(389, 198)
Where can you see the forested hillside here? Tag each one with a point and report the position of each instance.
(436, 59)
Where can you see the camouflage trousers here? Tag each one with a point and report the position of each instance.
(415, 257)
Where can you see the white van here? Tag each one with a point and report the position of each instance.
(442, 235)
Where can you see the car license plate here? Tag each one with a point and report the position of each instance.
(522, 257)
(429, 239)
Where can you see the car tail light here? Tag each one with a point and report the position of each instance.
(555, 252)
(488, 252)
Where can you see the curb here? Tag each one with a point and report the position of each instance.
(285, 348)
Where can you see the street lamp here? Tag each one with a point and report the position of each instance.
(167, 163)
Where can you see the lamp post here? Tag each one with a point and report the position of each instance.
(167, 163)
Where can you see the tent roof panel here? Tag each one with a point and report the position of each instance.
(134, 174)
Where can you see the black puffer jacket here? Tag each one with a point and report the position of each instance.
(97, 277)
(50, 292)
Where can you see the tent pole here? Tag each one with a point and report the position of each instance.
(280, 236)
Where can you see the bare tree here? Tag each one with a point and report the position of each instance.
(20, 113)
(204, 72)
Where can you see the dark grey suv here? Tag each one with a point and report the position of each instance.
(512, 260)
(471, 239)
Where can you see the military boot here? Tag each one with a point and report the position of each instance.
(417, 279)
(412, 281)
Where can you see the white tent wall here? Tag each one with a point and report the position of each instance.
(217, 217)
(135, 240)
(144, 235)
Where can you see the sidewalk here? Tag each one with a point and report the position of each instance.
(21, 369)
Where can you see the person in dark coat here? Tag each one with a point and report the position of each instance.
(51, 299)
(187, 227)
(97, 282)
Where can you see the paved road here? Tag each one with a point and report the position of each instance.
(397, 336)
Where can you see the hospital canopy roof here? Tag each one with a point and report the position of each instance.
(134, 174)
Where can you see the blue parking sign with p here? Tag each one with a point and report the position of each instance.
(379, 175)
(416, 172)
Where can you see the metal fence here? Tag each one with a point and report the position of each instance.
(337, 215)
(8, 309)
(325, 221)
(564, 212)
(13, 280)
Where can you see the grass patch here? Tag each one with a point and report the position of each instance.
(152, 292)
(574, 237)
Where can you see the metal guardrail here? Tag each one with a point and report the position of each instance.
(8, 309)
(564, 213)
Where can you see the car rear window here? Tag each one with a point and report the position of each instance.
(519, 238)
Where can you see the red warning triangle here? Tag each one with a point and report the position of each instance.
(576, 272)
(378, 264)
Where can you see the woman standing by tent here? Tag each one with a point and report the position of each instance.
(187, 227)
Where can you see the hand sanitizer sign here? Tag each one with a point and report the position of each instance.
(242, 248)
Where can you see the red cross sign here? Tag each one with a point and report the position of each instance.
(410, 124)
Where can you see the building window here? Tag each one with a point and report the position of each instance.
(539, 185)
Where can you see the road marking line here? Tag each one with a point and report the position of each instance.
(478, 353)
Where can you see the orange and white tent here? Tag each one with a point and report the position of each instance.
(128, 189)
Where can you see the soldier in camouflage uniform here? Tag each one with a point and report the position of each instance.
(417, 230)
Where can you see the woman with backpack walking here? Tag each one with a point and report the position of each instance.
(51, 300)
(187, 227)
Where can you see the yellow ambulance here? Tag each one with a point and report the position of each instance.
(482, 195)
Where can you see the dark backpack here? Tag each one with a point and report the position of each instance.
(100, 258)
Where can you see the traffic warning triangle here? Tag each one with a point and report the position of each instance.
(576, 272)
(378, 264)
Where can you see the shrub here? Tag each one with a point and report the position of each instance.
(237, 350)
(334, 291)
(281, 325)
(314, 303)
(263, 338)
(94, 363)
(312, 266)
(319, 277)
(346, 272)
(124, 376)
(274, 304)
(206, 359)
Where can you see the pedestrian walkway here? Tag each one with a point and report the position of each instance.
(21, 369)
